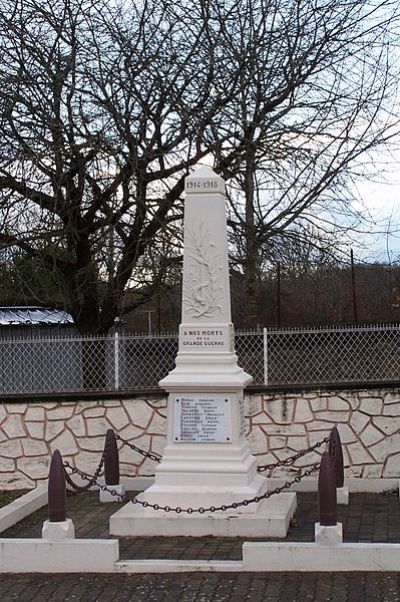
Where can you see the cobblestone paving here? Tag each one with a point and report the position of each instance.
(368, 518)
(204, 587)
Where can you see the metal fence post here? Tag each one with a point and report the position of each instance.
(111, 459)
(116, 361)
(327, 492)
(57, 489)
(265, 350)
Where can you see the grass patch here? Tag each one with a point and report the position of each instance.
(6, 497)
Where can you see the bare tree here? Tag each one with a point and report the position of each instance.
(103, 110)
(105, 107)
(318, 95)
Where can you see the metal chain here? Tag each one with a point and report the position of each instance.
(142, 452)
(284, 462)
(200, 509)
(224, 507)
(289, 461)
(81, 488)
(92, 481)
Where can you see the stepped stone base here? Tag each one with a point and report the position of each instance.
(272, 519)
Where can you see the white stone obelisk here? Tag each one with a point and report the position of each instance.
(207, 460)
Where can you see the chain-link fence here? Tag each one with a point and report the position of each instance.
(332, 355)
(126, 362)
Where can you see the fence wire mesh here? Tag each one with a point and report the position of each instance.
(128, 362)
(336, 355)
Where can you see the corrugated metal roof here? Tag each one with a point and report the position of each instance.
(33, 316)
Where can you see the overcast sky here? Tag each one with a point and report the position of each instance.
(381, 198)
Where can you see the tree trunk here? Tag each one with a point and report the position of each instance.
(250, 264)
(94, 364)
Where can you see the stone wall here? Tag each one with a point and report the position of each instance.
(368, 421)
(279, 425)
(29, 432)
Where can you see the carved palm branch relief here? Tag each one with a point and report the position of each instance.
(203, 294)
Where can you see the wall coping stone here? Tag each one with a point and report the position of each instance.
(388, 387)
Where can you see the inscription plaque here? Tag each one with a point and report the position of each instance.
(202, 419)
(200, 338)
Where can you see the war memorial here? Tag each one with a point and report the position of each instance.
(207, 460)
(207, 484)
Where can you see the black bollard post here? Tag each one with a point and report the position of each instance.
(111, 459)
(327, 492)
(336, 453)
(57, 501)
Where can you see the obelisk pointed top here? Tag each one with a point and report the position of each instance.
(204, 171)
(204, 179)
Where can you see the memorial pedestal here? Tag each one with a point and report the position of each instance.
(271, 519)
(195, 472)
(207, 460)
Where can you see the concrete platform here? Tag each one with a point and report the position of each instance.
(369, 518)
(308, 557)
(72, 555)
(271, 520)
